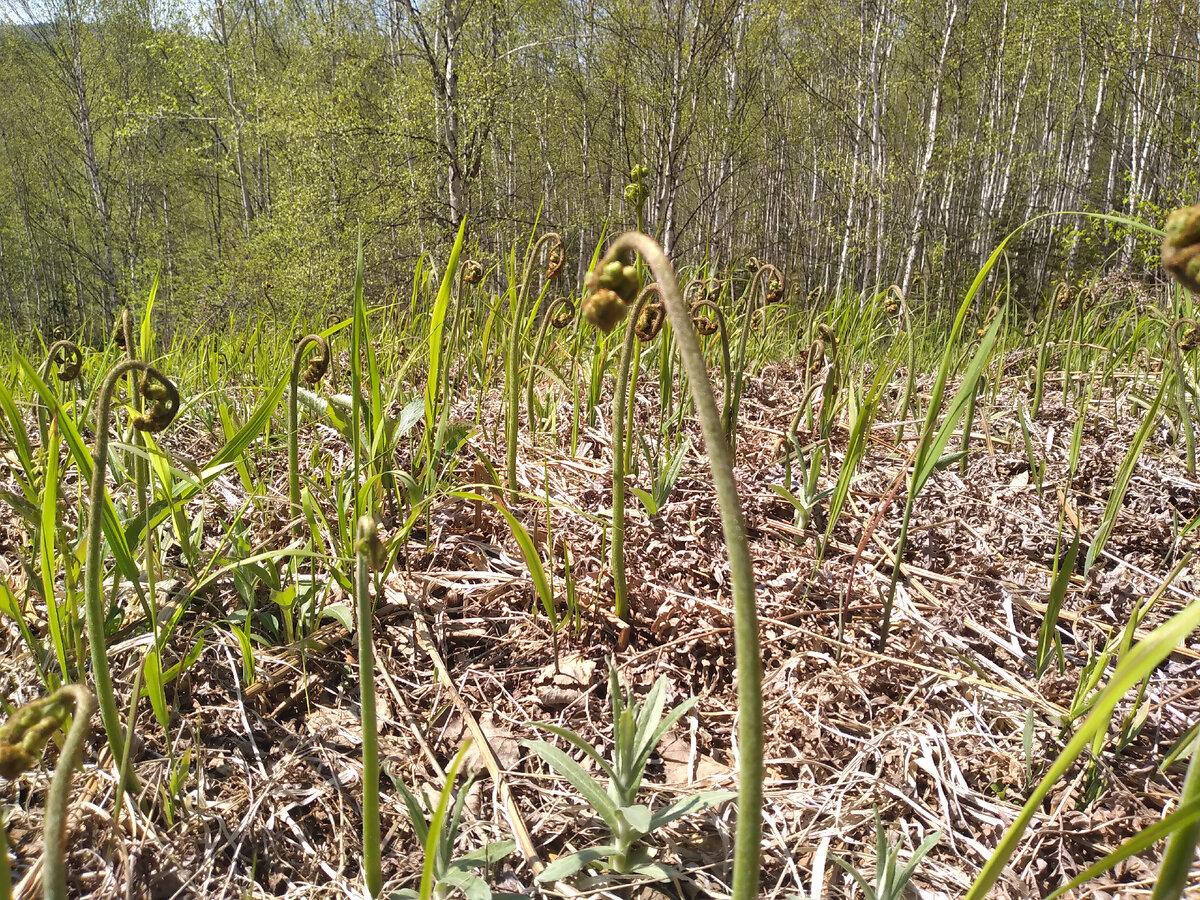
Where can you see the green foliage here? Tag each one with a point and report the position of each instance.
(637, 729)
(891, 881)
(443, 873)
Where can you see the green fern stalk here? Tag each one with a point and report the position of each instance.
(560, 314)
(67, 356)
(54, 864)
(164, 403)
(758, 286)
(22, 740)
(318, 364)
(703, 326)
(620, 393)
(610, 285)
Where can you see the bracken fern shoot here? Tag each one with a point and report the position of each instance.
(164, 403)
(613, 286)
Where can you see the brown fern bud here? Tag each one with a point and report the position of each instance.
(564, 313)
(163, 398)
(472, 271)
(703, 324)
(318, 363)
(1062, 296)
(556, 261)
(1181, 247)
(68, 358)
(816, 356)
(774, 291)
(26, 733)
(1187, 334)
(649, 323)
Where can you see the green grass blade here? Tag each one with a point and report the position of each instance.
(1188, 814)
(1116, 496)
(437, 326)
(1181, 847)
(1140, 662)
(48, 530)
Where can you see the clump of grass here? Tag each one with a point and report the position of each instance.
(552, 242)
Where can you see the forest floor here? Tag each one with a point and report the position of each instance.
(946, 730)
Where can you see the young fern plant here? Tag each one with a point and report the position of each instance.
(647, 323)
(767, 281)
(555, 263)
(637, 729)
(613, 285)
(318, 365)
(22, 739)
(706, 327)
(560, 314)
(124, 337)
(68, 359)
(163, 397)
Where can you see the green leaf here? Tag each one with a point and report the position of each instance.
(685, 806)
(580, 780)
(11, 608)
(286, 598)
(1185, 815)
(1116, 495)
(437, 325)
(906, 874)
(146, 336)
(672, 717)
(117, 543)
(487, 855)
(1137, 664)
(868, 891)
(1063, 569)
(412, 413)
(435, 836)
(152, 671)
(18, 436)
(340, 613)
(566, 866)
(533, 561)
(575, 740)
(416, 815)
(1181, 846)
(638, 818)
(647, 500)
(472, 886)
(46, 534)
(227, 456)
(930, 452)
